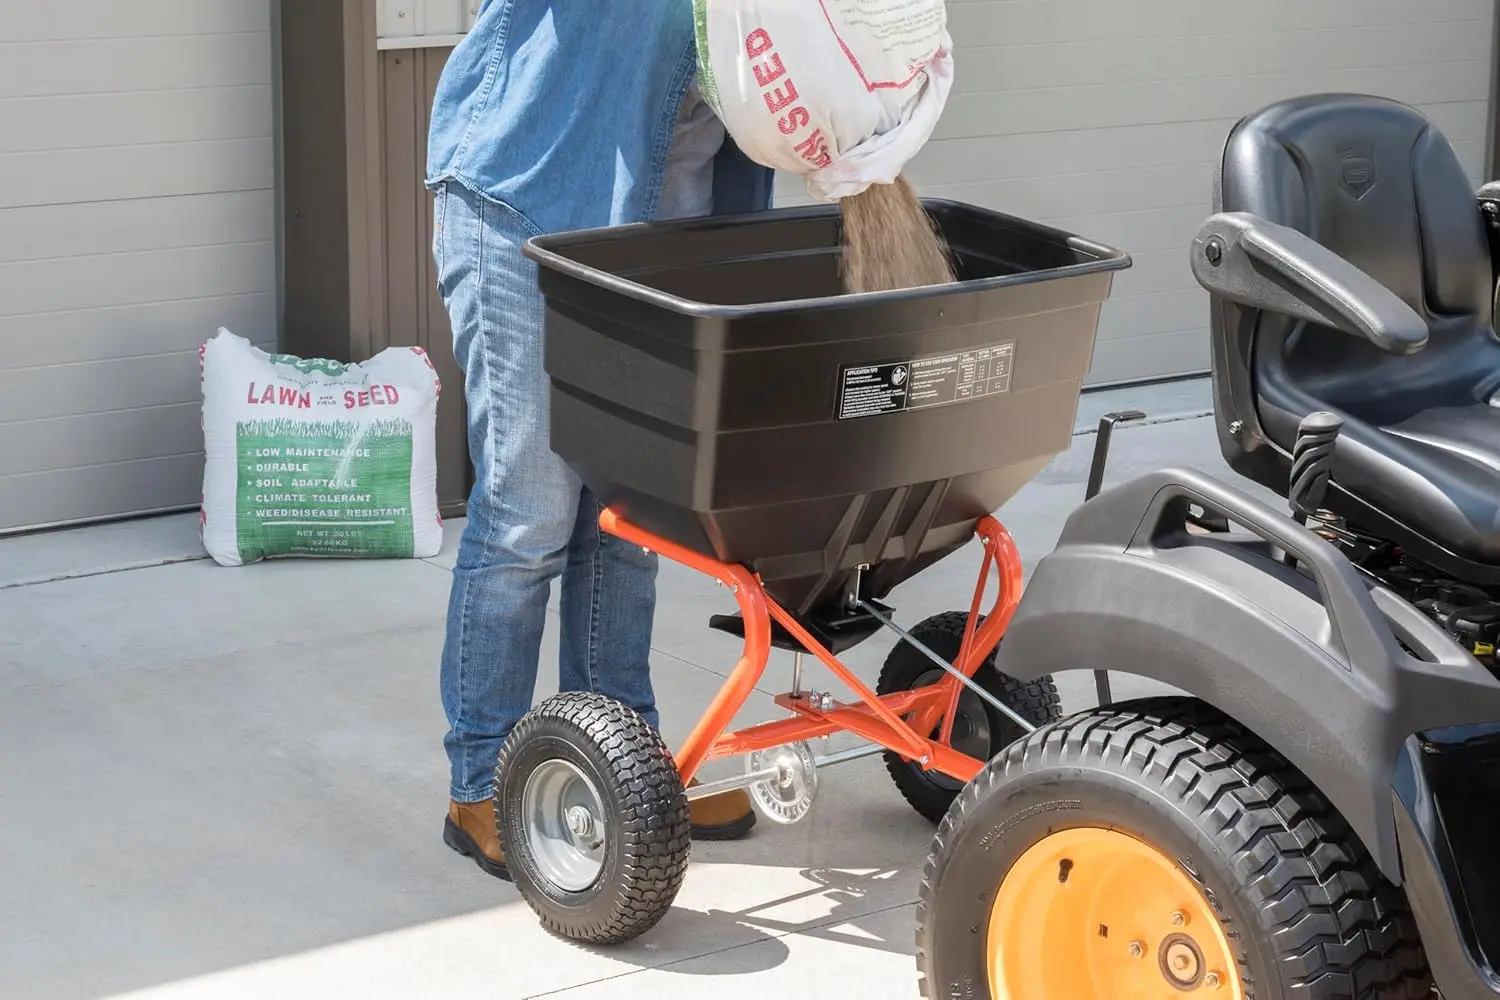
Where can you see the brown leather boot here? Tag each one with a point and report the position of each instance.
(726, 816)
(471, 831)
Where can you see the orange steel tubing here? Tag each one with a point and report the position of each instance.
(905, 739)
(878, 719)
(1003, 555)
(810, 724)
(752, 664)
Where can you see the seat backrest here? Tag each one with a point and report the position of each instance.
(1374, 181)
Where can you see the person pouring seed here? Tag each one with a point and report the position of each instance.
(553, 115)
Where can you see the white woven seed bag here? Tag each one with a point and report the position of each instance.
(310, 457)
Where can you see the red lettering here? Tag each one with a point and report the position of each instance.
(814, 149)
(349, 400)
(269, 396)
(250, 398)
(392, 397)
(757, 43)
(764, 75)
(375, 396)
(364, 398)
(781, 97)
(287, 397)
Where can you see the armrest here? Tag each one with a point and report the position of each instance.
(1267, 266)
(1488, 198)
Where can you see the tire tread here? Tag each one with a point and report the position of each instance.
(656, 846)
(1036, 701)
(1337, 927)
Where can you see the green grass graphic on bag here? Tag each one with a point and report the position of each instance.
(334, 488)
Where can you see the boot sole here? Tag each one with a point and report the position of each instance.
(456, 838)
(726, 831)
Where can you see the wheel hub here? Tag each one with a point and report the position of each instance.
(581, 822)
(971, 727)
(1082, 914)
(1181, 961)
(787, 795)
(561, 809)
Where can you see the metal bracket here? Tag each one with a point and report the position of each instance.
(1101, 448)
(950, 668)
(1095, 484)
(709, 789)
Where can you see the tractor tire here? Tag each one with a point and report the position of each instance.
(980, 730)
(1152, 850)
(593, 818)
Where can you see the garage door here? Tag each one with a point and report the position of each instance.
(1105, 116)
(137, 214)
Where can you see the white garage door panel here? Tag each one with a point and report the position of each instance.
(1157, 313)
(1068, 165)
(128, 172)
(162, 62)
(97, 282)
(39, 232)
(1152, 357)
(1043, 22)
(63, 338)
(1109, 106)
(1028, 66)
(137, 215)
(88, 121)
(52, 20)
(1128, 190)
(1154, 271)
(101, 388)
(128, 436)
(73, 495)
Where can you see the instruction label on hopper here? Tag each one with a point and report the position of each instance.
(934, 380)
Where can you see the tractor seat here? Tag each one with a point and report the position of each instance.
(1435, 469)
(1351, 271)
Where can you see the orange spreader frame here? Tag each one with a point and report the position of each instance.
(874, 718)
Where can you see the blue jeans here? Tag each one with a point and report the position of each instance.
(531, 520)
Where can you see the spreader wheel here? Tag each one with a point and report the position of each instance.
(593, 818)
(1156, 852)
(979, 729)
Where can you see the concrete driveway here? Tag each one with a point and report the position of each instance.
(229, 783)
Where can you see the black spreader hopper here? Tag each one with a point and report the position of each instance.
(712, 385)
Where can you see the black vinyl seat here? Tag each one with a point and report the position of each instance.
(1351, 271)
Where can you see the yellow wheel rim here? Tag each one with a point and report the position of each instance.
(1093, 914)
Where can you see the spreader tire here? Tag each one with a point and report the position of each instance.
(593, 818)
(1157, 841)
(980, 730)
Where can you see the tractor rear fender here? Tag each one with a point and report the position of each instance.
(1334, 672)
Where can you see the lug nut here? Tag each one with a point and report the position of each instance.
(580, 821)
(1178, 919)
(1212, 980)
(1137, 949)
